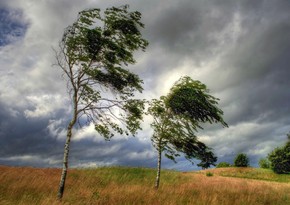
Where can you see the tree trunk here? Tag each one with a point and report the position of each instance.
(158, 169)
(65, 161)
(66, 148)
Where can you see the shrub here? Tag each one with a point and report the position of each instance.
(209, 174)
(223, 164)
(264, 163)
(280, 158)
(241, 160)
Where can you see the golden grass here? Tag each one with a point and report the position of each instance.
(135, 186)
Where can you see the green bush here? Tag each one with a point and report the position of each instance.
(264, 163)
(223, 164)
(209, 174)
(241, 160)
(280, 158)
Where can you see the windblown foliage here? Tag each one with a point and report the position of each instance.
(94, 53)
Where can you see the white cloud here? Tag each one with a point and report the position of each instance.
(144, 155)
(44, 105)
(32, 159)
(93, 164)
(87, 133)
(251, 137)
(56, 129)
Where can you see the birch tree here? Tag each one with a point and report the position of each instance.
(176, 119)
(93, 55)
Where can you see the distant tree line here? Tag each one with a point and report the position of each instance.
(278, 160)
(241, 160)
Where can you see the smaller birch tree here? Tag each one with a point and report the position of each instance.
(176, 119)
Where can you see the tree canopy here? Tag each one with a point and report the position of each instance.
(94, 53)
(191, 100)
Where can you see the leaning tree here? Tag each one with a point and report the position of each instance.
(93, 55)
(176, 119)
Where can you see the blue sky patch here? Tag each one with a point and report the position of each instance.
(12, 26)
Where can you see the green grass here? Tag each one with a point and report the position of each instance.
(129, 175)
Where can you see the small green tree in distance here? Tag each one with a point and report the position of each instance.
(93, 55)
(241, 160)
(176, 118)
(264, 163)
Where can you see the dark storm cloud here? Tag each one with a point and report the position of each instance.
(188, 30)
(126, 152)
(38, 141)
(23, 138)
(186, 27)
(259, 65)
(20, 137)
(183, 31)
(264, 52)
(121, 152)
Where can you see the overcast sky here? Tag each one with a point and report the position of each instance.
(239, 49)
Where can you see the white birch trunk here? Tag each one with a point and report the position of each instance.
(66, 149)
(158, 169)
(65, 162)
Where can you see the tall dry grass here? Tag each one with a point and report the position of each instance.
(118, 185)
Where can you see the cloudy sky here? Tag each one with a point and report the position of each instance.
(239, 49)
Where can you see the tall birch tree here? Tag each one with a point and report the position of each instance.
(93, 55)
(176, 119)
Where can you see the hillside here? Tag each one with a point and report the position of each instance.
(121, 185)
(250, 173)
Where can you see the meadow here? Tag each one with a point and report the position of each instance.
(124, 185)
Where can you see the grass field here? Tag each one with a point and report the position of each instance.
(121, 185)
